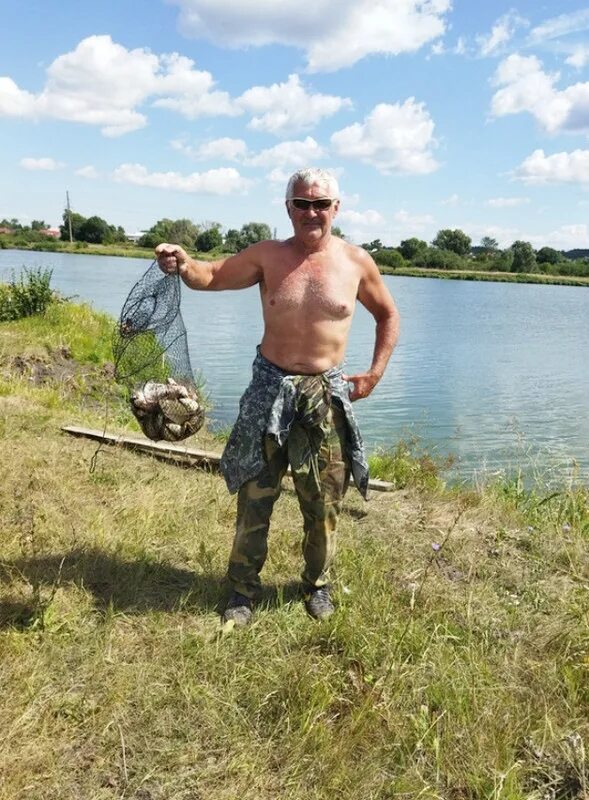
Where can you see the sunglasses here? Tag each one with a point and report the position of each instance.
(322, 204)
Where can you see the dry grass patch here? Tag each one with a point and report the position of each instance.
(456, 666)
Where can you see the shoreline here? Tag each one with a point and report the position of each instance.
(405, 272)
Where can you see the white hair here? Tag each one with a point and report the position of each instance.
(312, 175)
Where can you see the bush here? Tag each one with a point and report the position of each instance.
(389, 258)
(30, 294)
(440, 259)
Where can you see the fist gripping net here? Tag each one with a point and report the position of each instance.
(152, 361)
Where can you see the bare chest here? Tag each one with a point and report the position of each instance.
(311, 292)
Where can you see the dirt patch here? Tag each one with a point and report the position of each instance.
(92, 383)
(57, 366)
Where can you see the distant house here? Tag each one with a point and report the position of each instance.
(5, 231)
(54, 233)
(134, 237)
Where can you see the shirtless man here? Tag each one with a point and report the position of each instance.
(297, 409)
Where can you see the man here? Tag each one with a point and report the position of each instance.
(297, 411)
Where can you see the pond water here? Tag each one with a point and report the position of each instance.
(495, 374)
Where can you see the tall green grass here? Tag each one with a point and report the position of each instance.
(456, 666)
(29, 293)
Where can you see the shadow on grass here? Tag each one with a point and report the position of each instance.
(132, 586)
(129, 586)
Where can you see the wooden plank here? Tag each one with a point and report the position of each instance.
(167, 450)
(176, 452)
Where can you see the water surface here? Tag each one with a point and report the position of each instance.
(495, 374)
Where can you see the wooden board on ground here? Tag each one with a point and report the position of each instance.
(179, 454)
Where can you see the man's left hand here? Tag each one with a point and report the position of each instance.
(364, 383)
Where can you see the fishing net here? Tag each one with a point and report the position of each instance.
(152, 362)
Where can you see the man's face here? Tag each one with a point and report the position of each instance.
(312, 224)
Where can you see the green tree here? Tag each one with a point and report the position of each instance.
(173, 231)
(253, 232)
(232, 241)
(503, 261)
(38, 225)
(184, 233)
(548, 255)
(524, 258)
(389, 258)
(95, 230)
(11, 223)
(435, 258)
(337, 231)
(489, 244)
(376, 244)
(77, 220)
(412, 248)
(454, 240)
(210, 238)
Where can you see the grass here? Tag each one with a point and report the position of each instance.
(122, 250)
(456, 666)
(482, 275)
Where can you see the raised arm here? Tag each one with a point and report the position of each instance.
(376, 298)
(235, 272)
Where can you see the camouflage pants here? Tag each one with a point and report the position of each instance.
(320, 484)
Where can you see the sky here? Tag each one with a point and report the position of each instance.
(431, 113)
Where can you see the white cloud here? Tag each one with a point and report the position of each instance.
(558, 168)
(333, 37)
(393, 138)
(413, 223)
(501, 33)
(297, 154)
(504, 236)
(566, 237)
(347, 200)
(278, 176)
(46, 164)
(102, 83)
(366, 219)
(560, 26)
(579, 56)
(87, 172)
(99, 83)
(451, 201)
(15, 102)
(359, 226)
(225, 148)
(286, 108)
(189, 91)
(460, 47)
(507, 202)
(216, 181)
(526, 87)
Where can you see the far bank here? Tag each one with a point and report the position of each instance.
(134, 251)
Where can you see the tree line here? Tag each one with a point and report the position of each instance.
(451, 249)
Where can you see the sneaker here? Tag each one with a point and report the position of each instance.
(238, 609)
(318, 603)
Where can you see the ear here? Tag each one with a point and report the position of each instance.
(335, 208)
(287, 208)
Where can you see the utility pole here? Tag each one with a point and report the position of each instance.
(69, 214)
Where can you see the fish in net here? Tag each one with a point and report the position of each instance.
(152, 362)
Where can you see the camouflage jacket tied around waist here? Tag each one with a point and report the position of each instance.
(271, 404)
